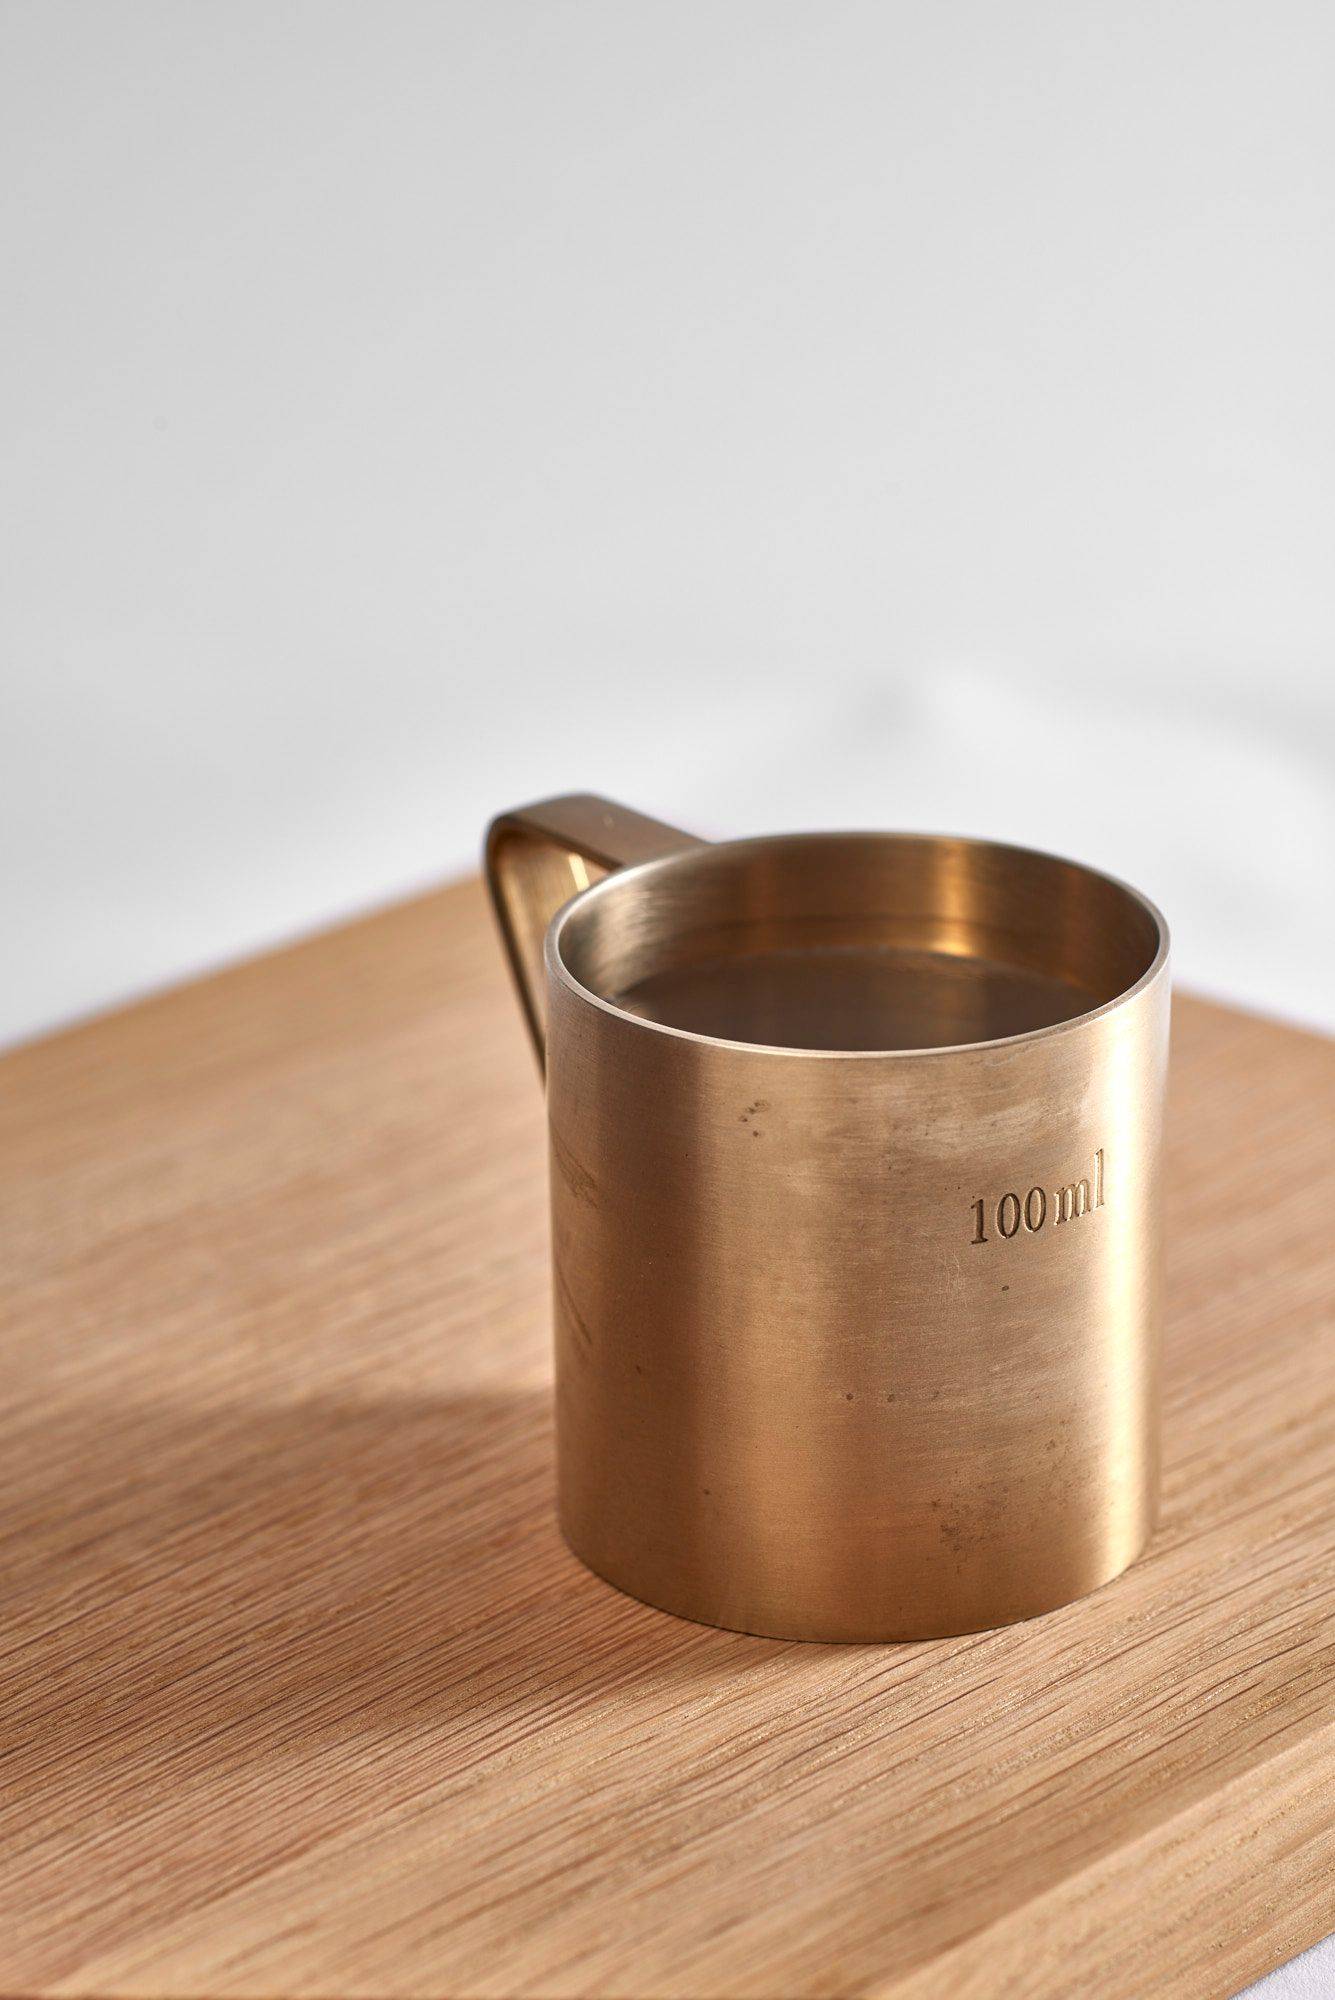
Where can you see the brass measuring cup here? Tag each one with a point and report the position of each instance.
(855, 1164)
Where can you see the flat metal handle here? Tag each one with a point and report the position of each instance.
(537, 857)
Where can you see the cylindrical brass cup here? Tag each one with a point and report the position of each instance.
(855, 1146)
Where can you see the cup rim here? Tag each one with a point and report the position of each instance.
(612, 884)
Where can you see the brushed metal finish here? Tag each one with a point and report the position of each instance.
(855, 1341)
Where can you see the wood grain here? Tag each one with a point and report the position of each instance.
(302, 1694)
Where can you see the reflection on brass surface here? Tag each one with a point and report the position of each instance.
(855, 1216)
(851, 997)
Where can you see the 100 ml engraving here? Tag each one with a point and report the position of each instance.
(1039, 1206)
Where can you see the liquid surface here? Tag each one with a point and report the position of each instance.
(855, 998)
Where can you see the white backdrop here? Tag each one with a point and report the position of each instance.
(770, 414)
(774, 415)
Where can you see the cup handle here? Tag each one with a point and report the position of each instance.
(537, 857)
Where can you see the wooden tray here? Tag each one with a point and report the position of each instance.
(302, 1694)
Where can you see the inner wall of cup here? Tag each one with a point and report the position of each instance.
(859, 941)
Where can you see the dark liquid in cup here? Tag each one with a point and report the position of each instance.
(855, 997)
